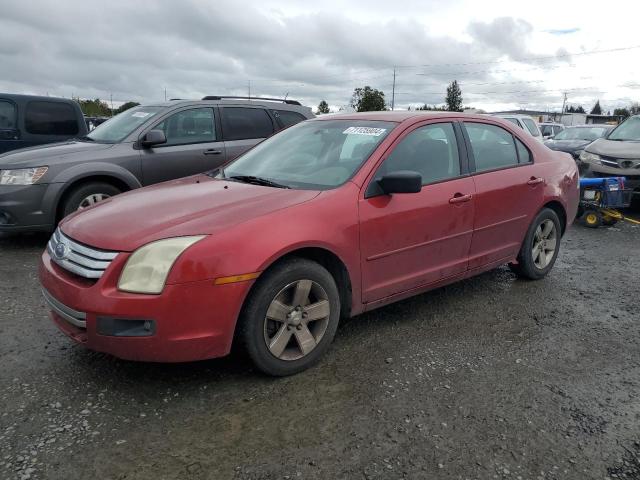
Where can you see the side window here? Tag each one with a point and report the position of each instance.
(514, 121)
(288, 118)
(189, 126)
(7, 114)
(531, 126)
(244, 123)
(431, 151)
(524, 155)
(493, 147)
(50, 118)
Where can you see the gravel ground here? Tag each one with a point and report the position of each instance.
(489, 378)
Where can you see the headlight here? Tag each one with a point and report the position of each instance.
(147, 269)
(589, 157)
(23, 176)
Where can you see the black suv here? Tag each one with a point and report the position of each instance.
(141, 146)
(27, 120)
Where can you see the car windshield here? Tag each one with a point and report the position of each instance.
(582, 133)
(119, 127)
(315, 155)
(629, 130)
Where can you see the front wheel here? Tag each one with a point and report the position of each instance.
(291, 317)
(88, 195)
(540, 247)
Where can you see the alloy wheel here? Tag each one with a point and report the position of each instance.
(92, 200)
(296, 320)
(544, 244)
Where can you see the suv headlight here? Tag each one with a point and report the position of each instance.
(147, 268)
(589, 157)
(22, 176)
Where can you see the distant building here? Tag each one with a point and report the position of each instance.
(604, 119)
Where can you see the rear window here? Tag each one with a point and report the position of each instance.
(7, 114)
(532, 127)
(50, 118)
(244, 123)
(289, 118)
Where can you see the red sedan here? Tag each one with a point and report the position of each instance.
(327, 219)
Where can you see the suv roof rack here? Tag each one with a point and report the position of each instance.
(283, 100)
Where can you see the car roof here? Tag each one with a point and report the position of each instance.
(399, 116)
(19, 96)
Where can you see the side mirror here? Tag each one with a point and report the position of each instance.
(152, 138)
(404, 181)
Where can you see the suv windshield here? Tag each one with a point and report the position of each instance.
(582, 133)
(629, 130)
(119, 127)
(316, 155)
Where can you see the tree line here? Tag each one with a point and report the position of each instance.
(100, 108)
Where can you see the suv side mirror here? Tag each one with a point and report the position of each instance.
(403, 181)
(153, 137)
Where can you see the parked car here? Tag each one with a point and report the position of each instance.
(550, 130)
(525, 122)
(141, 146)
(329, 218)
(28, 120)
(573, 140)
(616, 155)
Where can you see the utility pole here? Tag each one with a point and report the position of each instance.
(393, 90)
(564, 102)
(111, 99)
(249, 85)
(165, 94)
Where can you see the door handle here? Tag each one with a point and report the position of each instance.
(535, 181)
(212, 151)
(460, 198)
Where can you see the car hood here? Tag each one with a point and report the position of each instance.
(567, 145)
(611, 148)
(196, 205)
(47, 154)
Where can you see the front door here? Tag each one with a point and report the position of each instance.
(412, 240)
(192, 147)
(509, 191)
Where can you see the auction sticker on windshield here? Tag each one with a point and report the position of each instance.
(374, 132)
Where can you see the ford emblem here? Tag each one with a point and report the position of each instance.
(60, 251)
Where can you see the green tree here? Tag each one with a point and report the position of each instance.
(368, 99)
(430, 107)
(125, 106)
(94, 108)
(454, 97)
(597, 109)
(579, 109)
(323, 107)
(635, 108)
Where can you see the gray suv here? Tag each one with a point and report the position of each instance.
(141, 146)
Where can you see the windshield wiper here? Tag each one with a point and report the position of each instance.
(257, 181)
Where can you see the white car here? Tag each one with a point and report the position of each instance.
(526, 123)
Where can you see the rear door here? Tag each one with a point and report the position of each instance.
(193, 146)
(243, 127)
(9, 131)
(509, 192)
(411, 240)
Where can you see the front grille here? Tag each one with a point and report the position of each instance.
(626, 163)
(84, 261)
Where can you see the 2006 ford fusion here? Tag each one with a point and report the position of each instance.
(327, 219)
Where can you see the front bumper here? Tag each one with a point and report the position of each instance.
(27, 207)
(594, 170)
(187, 322)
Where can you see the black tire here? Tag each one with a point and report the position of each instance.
(251, 326)
(526, 267)
(591, 219)
(77, 195)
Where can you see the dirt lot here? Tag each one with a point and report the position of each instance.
(489, 378)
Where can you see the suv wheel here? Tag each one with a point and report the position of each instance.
(540, 247)
(291, 317)
(88, 195)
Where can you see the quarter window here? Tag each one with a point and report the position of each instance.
(288, 118)
(7, 114)
(189, 126)
(50, 118)
(431, 151)
(245, 123)
(524, 155)
(493, 147)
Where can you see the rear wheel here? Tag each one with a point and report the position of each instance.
(540, 247)
(291, 317)
(88, 195)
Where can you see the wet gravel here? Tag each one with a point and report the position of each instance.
(491, 378)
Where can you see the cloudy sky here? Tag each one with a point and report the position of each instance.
(504, 54)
